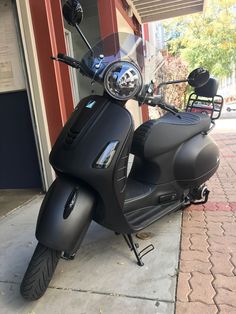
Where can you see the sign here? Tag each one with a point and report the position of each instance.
(11, 71)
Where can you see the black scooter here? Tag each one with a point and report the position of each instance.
(173, 158)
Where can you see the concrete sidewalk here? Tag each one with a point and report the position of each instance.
(103, 278)
(207, 273)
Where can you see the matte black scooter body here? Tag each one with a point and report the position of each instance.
(174, 157)
(158, 183)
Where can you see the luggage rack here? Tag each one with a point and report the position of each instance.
(205, 100)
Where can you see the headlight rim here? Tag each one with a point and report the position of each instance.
(138, 89)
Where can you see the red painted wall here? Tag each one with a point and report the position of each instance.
(107, 17)
(49, 36)
(145, 32)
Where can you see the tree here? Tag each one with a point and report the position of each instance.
(207, 39)
(173, 69)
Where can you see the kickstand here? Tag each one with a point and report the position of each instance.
(134, 246)
(67, 256)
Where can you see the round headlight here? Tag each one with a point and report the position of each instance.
(123, 80)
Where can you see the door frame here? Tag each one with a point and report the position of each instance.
(73, 72)
(34, 89)
(27, 88)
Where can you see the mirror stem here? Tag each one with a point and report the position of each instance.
(171, 82)
(84, 38)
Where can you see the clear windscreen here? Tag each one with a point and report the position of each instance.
(123, 46)
(116, 47)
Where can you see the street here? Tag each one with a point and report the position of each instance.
(227, 122)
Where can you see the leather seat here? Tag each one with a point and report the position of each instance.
(156, 137)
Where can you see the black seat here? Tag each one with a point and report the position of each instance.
(156, 137)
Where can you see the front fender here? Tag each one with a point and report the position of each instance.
(65, 215)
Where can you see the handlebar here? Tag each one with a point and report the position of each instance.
(153, 101)
(67, 60)
(170, 108)
(148, 97)
(157, 100)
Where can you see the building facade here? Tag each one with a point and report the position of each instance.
(38, 95)
(227, 88)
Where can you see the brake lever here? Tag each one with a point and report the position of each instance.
(56, 59)
(171, 109)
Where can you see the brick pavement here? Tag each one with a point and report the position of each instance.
(207, 270)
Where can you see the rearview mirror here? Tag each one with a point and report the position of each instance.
(198, 77)
(73, 12)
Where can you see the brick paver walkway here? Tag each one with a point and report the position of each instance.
(207, 272)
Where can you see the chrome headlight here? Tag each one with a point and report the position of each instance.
(123, 80)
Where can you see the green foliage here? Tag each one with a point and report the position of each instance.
(207, 39)
(172, 69)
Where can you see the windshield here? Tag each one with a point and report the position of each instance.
(123, 46)
(116, 47)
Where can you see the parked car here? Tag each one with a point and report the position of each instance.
(202, 107)
(231, 106)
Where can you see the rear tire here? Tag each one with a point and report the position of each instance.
(39, 272)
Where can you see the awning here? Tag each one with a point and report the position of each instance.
(156, 10)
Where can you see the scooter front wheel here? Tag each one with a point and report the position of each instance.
(39, 272)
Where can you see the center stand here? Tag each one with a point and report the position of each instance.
(134, 246)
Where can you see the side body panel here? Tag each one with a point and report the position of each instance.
(167, 179)
(196, 161)
(189, 164)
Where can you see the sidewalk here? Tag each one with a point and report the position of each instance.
(104, 277)
(207, 270)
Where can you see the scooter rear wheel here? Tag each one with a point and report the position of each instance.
(39, 272)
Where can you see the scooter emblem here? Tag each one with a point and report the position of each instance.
(90, 104)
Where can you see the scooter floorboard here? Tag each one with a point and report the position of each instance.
(143, 217)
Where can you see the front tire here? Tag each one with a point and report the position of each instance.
(39, 272)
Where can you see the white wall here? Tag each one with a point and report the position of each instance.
(11, 70)
(227, 87)
(91, 29)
